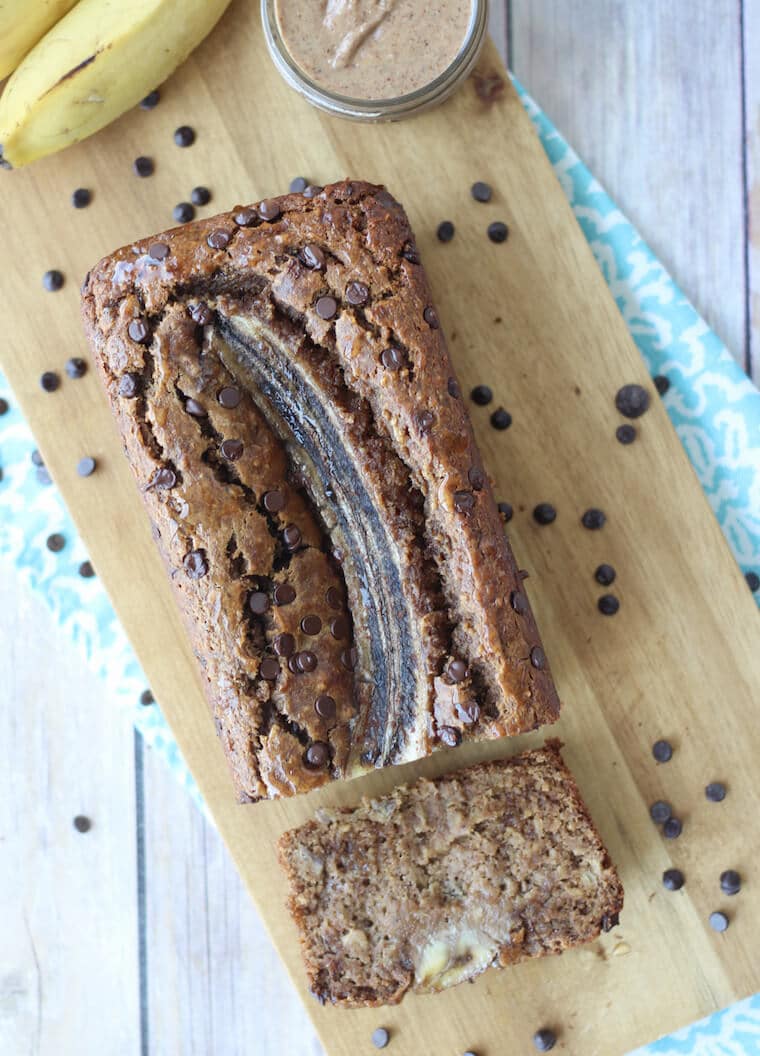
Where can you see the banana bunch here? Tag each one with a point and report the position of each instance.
(89, 62)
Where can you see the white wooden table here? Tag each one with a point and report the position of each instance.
(136, 936)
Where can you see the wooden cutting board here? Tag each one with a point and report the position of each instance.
(533, 319)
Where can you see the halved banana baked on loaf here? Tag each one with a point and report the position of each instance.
(290, 412)
(434, 883)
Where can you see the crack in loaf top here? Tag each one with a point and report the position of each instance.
(292, 417)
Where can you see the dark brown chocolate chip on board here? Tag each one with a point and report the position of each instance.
(76, 368)
(52, 280)
(632, 400)
(49, 381)
(625, 434)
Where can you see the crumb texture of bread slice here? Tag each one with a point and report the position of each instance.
(291, 415)
(429, 886)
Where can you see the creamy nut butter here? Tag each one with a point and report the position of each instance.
(374, 49)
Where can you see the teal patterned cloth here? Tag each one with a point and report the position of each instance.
(713, 406)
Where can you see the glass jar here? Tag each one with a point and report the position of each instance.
(390, 109)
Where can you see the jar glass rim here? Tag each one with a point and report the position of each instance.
(362, 106)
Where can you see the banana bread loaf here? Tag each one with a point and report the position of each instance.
(289, 409)
(431, 885)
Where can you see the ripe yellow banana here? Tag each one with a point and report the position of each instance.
(98, 61)
(22, 24)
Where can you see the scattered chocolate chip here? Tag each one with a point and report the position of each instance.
(129, 385)
(37, 459)
(76, 368)
(593, 519)
(661, 383)
(55, 542)
(184, 136)
(52, 280)
(139, 331)
(291, 536)
(333, 598)
(424, 421)
(269, 669)
(463, 501)
(146, 698)
(730, 882)
(605, 574)
(183, 212)
(312, 190)
(151, 100)
(195, 564)
(431, 318)
(544, 1040)
(268, 210)
(284, 645)
(326, 307)
(86, 466)
(143, 166)
(357, 294)
(317, 755)
(219, 239)
(672, 829)
(625, 434)
(445, 231)
(380, 1038)
(452, 386)
(505, 509)
(715, 792)
(660, 811)
(306, 661)
(200, 196)
(43, 477)
(456, 671)
(753, 581)
(538, 657)
(86, 571)
(274, 501)
(544, 513)
(81, 198)
(4, 407)
(392, 358)
(197, 410)
(292, 665)
(450, 736)
(312, 257)
(229, 397)
(340, 628)
(519, 602)
(718, 921)
(501, 419)
(324, 706)
(498, 232)
(481, 192)
(49, 381)
(662, 751)
(349, 658)
(469, 713)
(608, 604)
(163, 479)
(158, 251)
(82, 824)
(258, 602)
(411, 253)
(523, 573)
(632, 401)
(298, 185)
(672, 880)
(476, 477)
(311, 625)
(245, 217)
(232, 450)
(284, 594)
(481, 395)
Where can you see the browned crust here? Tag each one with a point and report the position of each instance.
(367, 237)
(549, 756)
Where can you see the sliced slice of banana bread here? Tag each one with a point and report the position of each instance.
(431, 885)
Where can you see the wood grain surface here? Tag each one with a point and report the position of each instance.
(525, 464)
